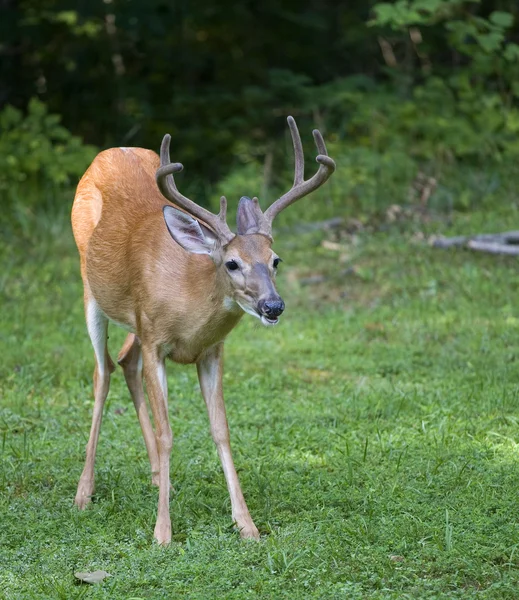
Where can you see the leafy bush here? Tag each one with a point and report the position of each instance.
(425, 117)
(466, 109)
(38, 154)
(446, 101)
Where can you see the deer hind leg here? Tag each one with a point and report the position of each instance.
(97, 325)
(130, 359)
(157, 388)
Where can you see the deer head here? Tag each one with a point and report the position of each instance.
(245, 260)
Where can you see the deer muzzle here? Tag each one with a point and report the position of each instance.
(270, 309)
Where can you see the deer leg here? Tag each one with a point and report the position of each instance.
(130, 359)
(156, 386)
(210, 370)
(97, 325)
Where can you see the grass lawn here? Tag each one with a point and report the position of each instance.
(375, 431)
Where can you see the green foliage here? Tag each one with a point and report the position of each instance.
(369, 179)
(213, 75)
(245, 180)
(402, 14)
(434, 79)
(487, 41)
(437, 124)
(36, 152)
(428, 116)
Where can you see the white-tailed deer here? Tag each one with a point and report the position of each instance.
(175, 276)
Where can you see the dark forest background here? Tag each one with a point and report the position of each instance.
(412, 88)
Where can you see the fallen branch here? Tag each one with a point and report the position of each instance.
(493, 248)
(494, 243)
(444, 242)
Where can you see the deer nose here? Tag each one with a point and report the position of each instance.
(272, 308)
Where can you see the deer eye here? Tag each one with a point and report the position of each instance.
(276, 262)
(232, 265)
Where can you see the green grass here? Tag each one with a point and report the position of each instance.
(376, 434)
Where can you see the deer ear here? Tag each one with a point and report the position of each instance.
(248, 217)
(188, 232)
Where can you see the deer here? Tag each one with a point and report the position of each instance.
(175, 276)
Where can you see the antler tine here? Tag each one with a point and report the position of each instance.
(168, 188)
(166, 161)
(299, 166)
(302, 188)
(322, 158)
(319, 142)
(222, 215)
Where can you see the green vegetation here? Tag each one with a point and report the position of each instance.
(40, 157)
(413, 84)
(375, 430)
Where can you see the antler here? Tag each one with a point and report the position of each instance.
(168, 188)
(301, 187)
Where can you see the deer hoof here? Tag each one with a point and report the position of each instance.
(162, 534)
(83, 495)
(249, 532)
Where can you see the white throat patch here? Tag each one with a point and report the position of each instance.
(229, 304)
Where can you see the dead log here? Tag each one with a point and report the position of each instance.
(445, 242)
(494, 248)
(494, 243)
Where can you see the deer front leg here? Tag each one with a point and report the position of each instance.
(210, 370)
(156, 385)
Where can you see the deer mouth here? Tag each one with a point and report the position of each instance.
(269, 321)
(266, 320)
